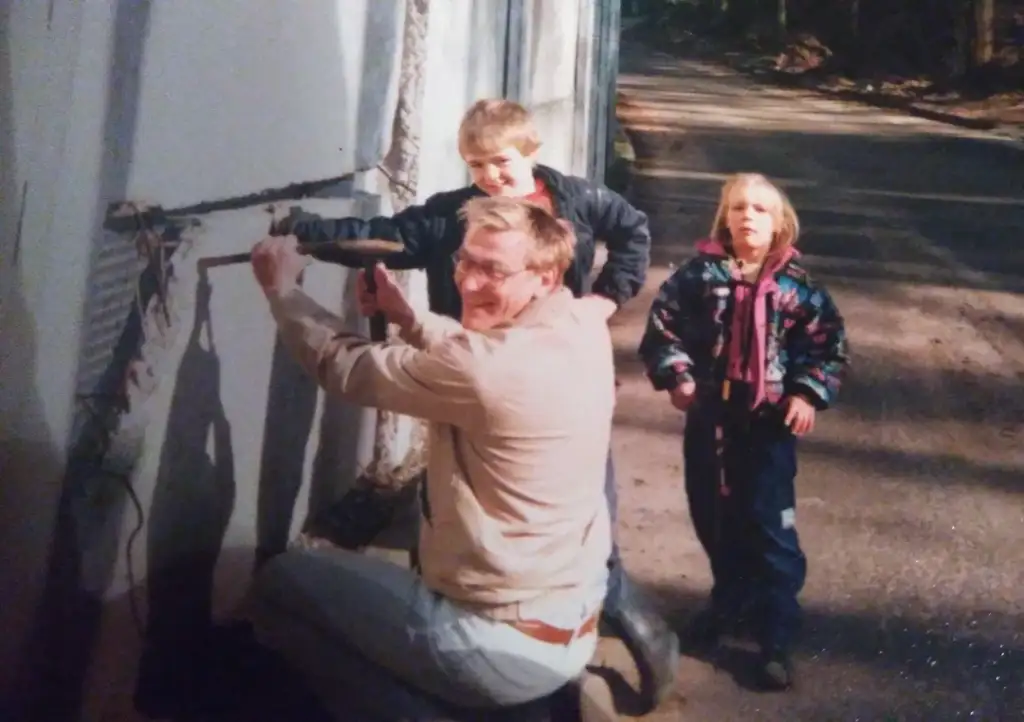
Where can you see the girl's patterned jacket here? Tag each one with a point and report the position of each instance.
(801, 337)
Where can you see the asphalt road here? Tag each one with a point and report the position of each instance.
(911, 491)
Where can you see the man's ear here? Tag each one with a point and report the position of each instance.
(549, 280)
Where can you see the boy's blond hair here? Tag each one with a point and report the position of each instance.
(491, 125)
(554, 241)
(787, 225)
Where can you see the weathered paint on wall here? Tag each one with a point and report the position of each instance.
(235, 444)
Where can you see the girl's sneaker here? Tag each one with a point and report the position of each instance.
(776, 670)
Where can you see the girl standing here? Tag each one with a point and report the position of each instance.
(747, 344)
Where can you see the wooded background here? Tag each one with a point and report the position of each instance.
(978, 41)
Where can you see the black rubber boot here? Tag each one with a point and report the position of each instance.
(704, 631)
(630, 615)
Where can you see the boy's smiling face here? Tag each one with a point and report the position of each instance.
(506, 172)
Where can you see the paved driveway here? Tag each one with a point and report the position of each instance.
(911, 491)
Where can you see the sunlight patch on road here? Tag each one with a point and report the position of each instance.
(707, 110)
(903, 330)
(716, 99)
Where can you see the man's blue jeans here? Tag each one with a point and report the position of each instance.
(348, 621)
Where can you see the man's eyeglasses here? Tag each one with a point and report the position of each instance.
(465, 265)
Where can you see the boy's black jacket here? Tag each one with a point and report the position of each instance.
(431, 234)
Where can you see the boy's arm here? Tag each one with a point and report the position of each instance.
(625, 231)
(421, 229)
(662, 349)
(438, 384)
(818, 349)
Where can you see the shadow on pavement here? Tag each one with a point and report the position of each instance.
(915, 227)
(944, 670)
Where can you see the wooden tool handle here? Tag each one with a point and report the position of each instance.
(378, 323)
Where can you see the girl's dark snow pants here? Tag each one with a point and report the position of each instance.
(749, 535)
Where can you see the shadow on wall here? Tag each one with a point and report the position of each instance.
(192, 504)
(196, 487)
(292, 396)
(291, 408)
(28, 454)
(84, 548)
(337, 454)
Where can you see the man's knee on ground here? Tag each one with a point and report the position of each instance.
(282, 591)
(271, 583)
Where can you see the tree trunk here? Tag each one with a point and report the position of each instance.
(781, 19)
(984, 32)
(961, 56)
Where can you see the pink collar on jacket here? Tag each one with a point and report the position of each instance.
(741, 296)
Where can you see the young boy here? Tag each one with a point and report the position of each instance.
(499, 143)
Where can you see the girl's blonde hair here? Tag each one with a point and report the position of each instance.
(787, 225)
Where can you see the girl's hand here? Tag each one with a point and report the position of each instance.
(682, 396)
(799, 415)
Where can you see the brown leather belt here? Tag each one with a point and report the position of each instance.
(543, 632)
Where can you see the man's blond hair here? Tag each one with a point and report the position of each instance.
(787, 225)
(491, 125)
(554, 241)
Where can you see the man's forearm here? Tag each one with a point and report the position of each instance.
(309, 331)
(427, 328)
(434, 384)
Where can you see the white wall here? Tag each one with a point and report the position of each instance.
(465, 62)
(548, 71)
(221, 354)
(115, 100)
(241, 95)
(224, 395)
(50, 145)
(175, 104)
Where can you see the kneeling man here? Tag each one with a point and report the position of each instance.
(515, 532)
